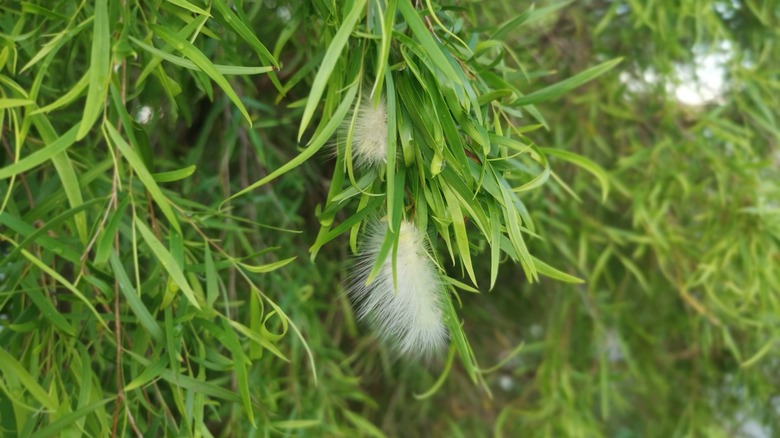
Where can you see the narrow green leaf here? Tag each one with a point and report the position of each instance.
(167, 261)
(149, 373)
(99, 69)
(134, 300)
(394, 191)
(459, 340)
(363, 184)
(450, 35)
(329, 62)
(509, 25)
(68, 285)
(354, 219)
(389, 246)
(365, 426)
(256, 337)
(295, 424)
(267, 267)
(244, 32)
(68, 97)
(460, 285)
(495, 243)
(442, 377)
(87, 379)
(40, 10)
(106, 242)
(429, 44)
(539, 179)
(38, 235)
(397, 203)
(240, 361)
(459, 225)
(182, 62)
(48, 311)
(42, 240)
(153, 66)
(184, 4)
(62, 423)
(584, 163)
(56, 43)
(512, 221)
(72, 188)
(759, 354)
(47, 153)
(387, 22)
(212, 284)
(208, 388)
(314, 145)
(548, 271)
(11, 367)
(203, 63)
(6, 103)
(143, 174)
(566, 85)
(242, 381)
(174, 175)
(528, 17)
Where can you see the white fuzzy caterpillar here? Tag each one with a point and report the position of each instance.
(410, 316)
(369, 138)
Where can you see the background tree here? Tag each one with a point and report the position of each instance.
(175, 238)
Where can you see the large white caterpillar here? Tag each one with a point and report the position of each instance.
(410, 313)
(369, 138)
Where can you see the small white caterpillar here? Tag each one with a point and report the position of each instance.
(409, 314)
(369, 138)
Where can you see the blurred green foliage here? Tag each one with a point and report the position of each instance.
(164, 195)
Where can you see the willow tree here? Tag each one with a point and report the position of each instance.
(389, 217)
